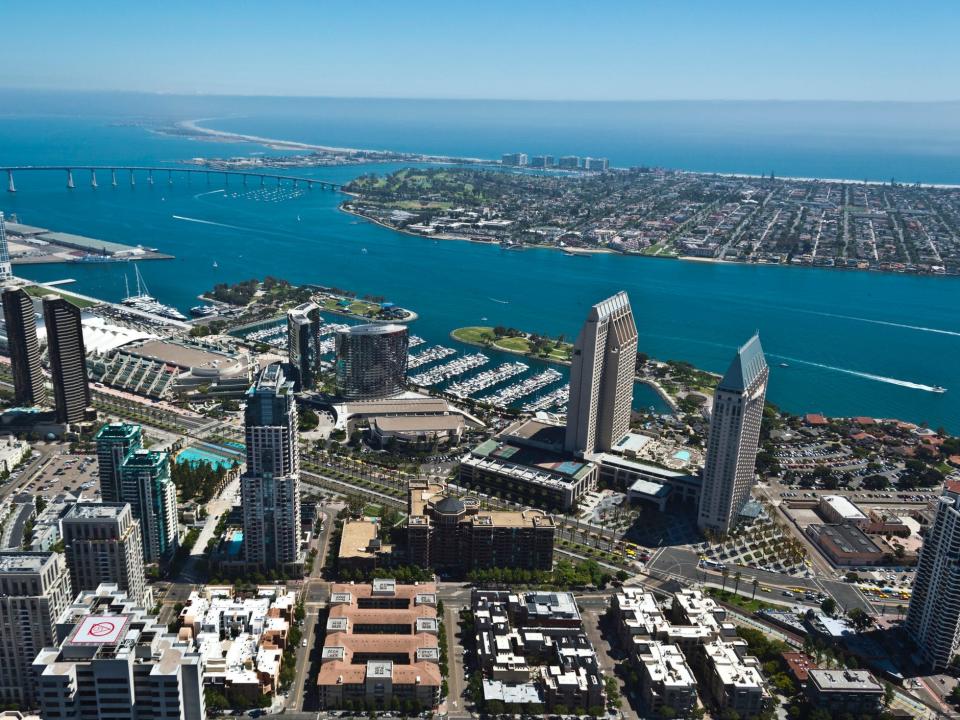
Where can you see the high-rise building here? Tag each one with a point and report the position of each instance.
(933, 619)
(146, 485)
(115, 441)
(601, 377)
(728, 474)
(270, 487)
(514, 159)
(34, 591)
(118, 662)
(371, 361)
(596, 163)
(68, 365)
(21, 324)
(103, 545)
(569, 162)
(303, 341)
(6, 269)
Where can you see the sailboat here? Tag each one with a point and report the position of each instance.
(145, 302)
(215, 265)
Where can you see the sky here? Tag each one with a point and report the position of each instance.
(524, 49)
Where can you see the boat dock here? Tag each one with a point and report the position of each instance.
(553, 399)
(507, 396)
(431, 354)
(487, 379)
(449, 370)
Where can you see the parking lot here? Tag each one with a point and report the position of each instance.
(66, 473)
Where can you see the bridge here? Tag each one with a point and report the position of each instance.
(168, 173)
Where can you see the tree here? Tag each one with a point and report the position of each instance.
(724, 572)
(755, 583)
(861, 621)
(736, 577)
(829, 606)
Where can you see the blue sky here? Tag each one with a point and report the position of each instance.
(589, 50)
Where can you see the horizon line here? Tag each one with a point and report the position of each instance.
(186, 94)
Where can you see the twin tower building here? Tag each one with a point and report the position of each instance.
(601, 395)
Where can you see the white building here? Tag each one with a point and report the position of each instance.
(241, 640)
(34, 590)
(6, 269)
(728, 475)
(837, 509)
(118, 662)
(270, 487)
(733, 677)
(12, 451)
(601, 378)
(665, 678)
(933, 619)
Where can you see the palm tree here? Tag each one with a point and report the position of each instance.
(755, 583)
(736, 577)
(725, 572)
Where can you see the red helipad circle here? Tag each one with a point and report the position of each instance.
(102, 629)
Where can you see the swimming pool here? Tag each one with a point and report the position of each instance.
(682, 455)
(194, 455)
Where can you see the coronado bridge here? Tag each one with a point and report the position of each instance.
(128, 174)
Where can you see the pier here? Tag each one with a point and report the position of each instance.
(487, 379)
(431, 354)
(449, 370)
(185, 172)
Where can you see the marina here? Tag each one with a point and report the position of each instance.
(487, 379)
(553, 399)
(507, 396)
(432, 354)
(449, 370)
(144, 301)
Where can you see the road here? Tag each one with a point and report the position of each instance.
(315, 593)
(609, 657)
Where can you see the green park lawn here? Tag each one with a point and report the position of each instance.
(38, 291)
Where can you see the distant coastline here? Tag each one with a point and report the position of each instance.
(195, 126)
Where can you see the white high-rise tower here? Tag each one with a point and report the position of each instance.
(6, 269)
(728, 474)
(933, 620)
(601, 377)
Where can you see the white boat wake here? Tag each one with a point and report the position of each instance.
(209, 192)
(207, 222)
(502, 302)
(888, 323)
(857, 373)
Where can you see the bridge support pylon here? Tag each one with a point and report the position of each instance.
(261, 181)
(10, 186)
(169, 177)
(309, 184)
(113, 176)
(93, 178)
(244, 180)
(150, 177)
(133, 179)
(70, 184)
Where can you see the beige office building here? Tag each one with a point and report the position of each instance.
(34, 590)
(729, 472)
(104, 545)
(601, 378)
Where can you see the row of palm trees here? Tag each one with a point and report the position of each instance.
(737, 577)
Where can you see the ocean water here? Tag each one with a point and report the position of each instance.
(852, 343)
